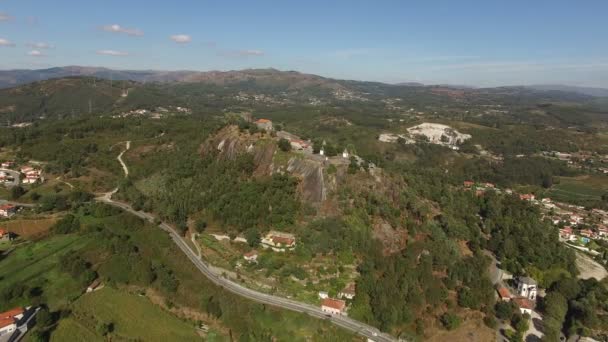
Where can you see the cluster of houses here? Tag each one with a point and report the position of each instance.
(337, 306)
(32, 175)
(527, 290)
(576, 223)
(15, 322)
(276, 241)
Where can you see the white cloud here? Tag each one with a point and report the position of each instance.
(181, 38)
(40, 45)
(36, 53)
(115, 28)
(5, 16)
(250, 52)
(6, 42)
(242, 53)
(112, 53)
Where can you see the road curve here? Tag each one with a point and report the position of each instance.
(313, 311)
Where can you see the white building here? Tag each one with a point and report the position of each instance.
(348, 292)
(526, 287)
(251, 256)
(279, 241)
(7, 210)
(323, 295)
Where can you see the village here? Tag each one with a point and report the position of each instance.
(26, 174)
(577, 227)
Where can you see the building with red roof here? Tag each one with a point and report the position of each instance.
(264, 124)
(5, 235)
(251, 256)
(504, 294)
(7, 210)
(333, 306)
(8, 322)
(525, 305)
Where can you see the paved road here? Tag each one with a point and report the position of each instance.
(313, 311)
(16, 177)
(341, 321)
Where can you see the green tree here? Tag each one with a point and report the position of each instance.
(200, 225)
(16, 192)
(284, 145)
(253, 237)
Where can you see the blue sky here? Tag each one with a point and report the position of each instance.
(484, 43)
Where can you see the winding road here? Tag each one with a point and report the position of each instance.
(347, 323)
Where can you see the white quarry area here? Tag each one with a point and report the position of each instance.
(435, 133)
(439, 134)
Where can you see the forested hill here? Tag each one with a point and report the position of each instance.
(108, 92)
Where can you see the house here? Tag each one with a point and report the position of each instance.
(526, 287)
(348, 292)
(8, 322)
(525, 305)
(298, 144)
(7, 210)
(602, 231)
(468, 184)
(251, 256)
(323, 294)
(15, 322)
(333, 306)
(504, 294)
(588, 233)
(95, 285)
(575, 219)
(345, 154)
(264, 124)
(527, 197)
(566, 233)
(489, 185)
(279, 241)
(29, 179)
(5, 235)
(8, 164)
(321, 152)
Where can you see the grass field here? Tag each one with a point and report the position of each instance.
(133, 318)
(29, 229)
(36, 265)
(579, 188)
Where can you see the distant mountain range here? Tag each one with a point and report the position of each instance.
(288, 79)
(597, 92)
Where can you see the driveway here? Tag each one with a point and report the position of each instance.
(534, 333)
(16, 177)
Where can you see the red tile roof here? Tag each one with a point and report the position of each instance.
(8, 317)
(524, 303)
(7, 207)
(262, 121)
(334, 303)
(282, 240)
(503, 292)
(250, 254)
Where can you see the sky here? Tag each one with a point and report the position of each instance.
(466, 42)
